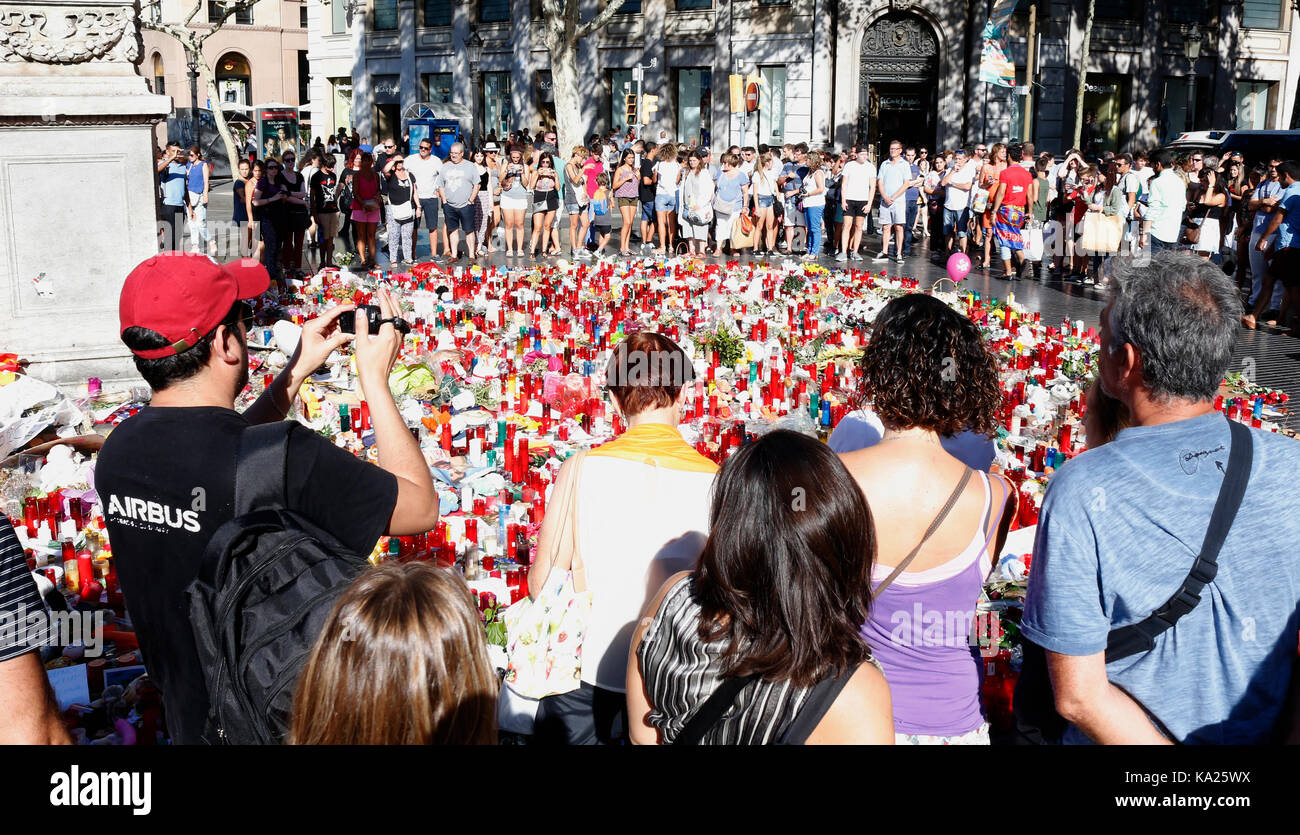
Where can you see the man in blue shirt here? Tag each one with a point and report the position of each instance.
(913, 196)
(791, 182)
(1122, 524)
(1260, 208)
(1284, 266)
(171, 170)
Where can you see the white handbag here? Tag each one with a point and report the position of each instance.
(544, 634)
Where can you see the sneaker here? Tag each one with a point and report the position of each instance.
(841, 258)
(898, 260)
(881, 256)
(855, 256)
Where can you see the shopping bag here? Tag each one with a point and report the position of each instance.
(741, 237)
(1034, 242)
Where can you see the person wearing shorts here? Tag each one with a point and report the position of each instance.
(957, 183)
(892, 183)
(424, 168)
(458, 187)
(857, 192)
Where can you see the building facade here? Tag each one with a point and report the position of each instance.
(258, 57)
(838, 71)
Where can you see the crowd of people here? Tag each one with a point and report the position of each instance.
(769, 595)
(1019, 214)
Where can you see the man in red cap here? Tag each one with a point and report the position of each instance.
(166, 476)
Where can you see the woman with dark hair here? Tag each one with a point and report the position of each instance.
(623, 518)
(240, 216)
(544, 182)
(297, 216)
(268, 209)
(365, 209)
(927, 373)
(402, 660)
(772, 613)
(1212, 207)
(347, 179)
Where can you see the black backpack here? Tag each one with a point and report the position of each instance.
(267, 585)
(1034, 703)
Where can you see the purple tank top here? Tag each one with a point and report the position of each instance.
(920, 631)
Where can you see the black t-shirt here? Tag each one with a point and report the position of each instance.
(647, 192)
(324, 192)
(346, 187)
(399, 190)
(166, 478)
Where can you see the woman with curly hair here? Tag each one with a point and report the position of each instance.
(927, 374)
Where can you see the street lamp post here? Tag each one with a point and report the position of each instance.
(192, 61)
(474, 49)
(1192, 51)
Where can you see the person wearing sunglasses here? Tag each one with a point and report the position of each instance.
(424, 168)
(269, 196)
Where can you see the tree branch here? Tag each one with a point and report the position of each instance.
(602, 17)
(198, 4)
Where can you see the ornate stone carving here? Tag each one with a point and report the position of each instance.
(49, 35)
(900, 36)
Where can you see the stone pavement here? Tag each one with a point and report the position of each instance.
(1273, 358)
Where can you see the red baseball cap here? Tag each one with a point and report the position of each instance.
(184, 296)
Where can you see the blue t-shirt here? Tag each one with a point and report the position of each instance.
(1265, 190)
(862, 428)
(173, 184)
(729, 188)
(194, 176)
(1118, 532)
(914, 193)
(796, 173)
(1288, 231)
(892, 176)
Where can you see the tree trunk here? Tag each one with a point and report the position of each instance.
(568, 98)
(1083, 74)
(219, 115)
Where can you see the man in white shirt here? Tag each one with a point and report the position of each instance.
(857, 190)
(425, 169)
(894, 179)
(747, 156)
(957, 184)
(1164, 216)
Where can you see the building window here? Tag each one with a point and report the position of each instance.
(1187, 13)
(342, 99)
(304, 78)
(1254, 105)
(437, 87)
(496, 103)
(692, 5)
(437, 12)
(771, 105)
(493, 11)
(773, 2)
(630, 7)
(620, 85)
(339, 16)
(694, 104)
(243, 17)
(1118, 9)
(159, 78)
(385, 16)
(386, 92)
(302, 16)
(1262, 14)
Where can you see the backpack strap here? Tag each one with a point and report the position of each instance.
(261, 467)
(934, 526)
(1141, 636)
(708, 714)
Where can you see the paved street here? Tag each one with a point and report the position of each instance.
(1275, 358)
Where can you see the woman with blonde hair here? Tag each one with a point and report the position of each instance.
(988, 178)
(402, 660)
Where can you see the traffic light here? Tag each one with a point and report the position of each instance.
(629, 109)
(649, 104)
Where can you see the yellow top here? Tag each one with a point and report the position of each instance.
(656, 443)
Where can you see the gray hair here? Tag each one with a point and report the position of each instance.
(1182, 315)
(456, 145)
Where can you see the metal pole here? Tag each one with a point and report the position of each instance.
(1025, 130)
(194, 98)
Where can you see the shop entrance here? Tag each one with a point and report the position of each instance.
(898, 75)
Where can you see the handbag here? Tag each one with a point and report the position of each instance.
(1102, 233)
(544, 634)
(402, 211)
(979, 202)
(742, 231)
(1191, 230)
(1034, 702)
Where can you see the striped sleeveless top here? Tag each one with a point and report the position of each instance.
(681, 672)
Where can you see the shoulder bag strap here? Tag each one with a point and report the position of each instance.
(261, 467)
(1141, 636)
(815, 707)
(566, 541)
(934, 526)
(708, 714)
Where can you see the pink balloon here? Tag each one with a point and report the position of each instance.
(958, 266)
